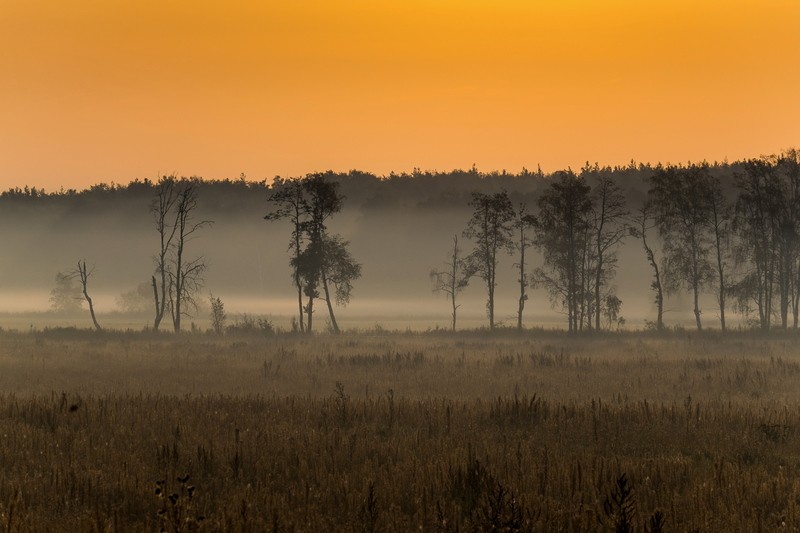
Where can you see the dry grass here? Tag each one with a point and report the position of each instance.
(397, 432)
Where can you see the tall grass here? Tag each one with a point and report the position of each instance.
(397, 432)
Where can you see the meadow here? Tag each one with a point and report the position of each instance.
(380, 431)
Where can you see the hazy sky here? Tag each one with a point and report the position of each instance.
(112, 90)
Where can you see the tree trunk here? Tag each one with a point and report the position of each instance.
(176, 317)
(696, 290)
(490, 307)
(597, 279)
(310, 313)
(721, 273)
(300, 305)
(334, 325)
(159, 306)
(91, 310)
(490, 287)
(297, 282)
(454, 282)
(796, 300)
(784, 288)
(522, 280)
(83, 273)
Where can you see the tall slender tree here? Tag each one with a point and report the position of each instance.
(789, 165)
(162, 210)
(290, 203)
(83, 274)
(490, 227)
(720, 220)
(608, 229)
(757, 225)
(324, 200)
(680, 199)
(560, 233)
(642, 226)
(523, 222)
(452, 280)
(186, 275)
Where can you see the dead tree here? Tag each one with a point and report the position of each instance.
(186, 276)
(452, 280)
(162, 208)
(83, 274)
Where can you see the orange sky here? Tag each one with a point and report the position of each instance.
(111, 90)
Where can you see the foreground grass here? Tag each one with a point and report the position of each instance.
(397, 432)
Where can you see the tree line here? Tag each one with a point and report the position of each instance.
(731, 230)
(741, 244)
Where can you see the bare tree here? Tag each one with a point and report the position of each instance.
(452, 280)
(162, 210)
(491, 229)
(83, 275)
(186, 275)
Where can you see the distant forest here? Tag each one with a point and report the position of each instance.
(721, 236)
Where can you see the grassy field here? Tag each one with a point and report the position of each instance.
(399, 432)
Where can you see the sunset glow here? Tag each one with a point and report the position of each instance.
(97, 90)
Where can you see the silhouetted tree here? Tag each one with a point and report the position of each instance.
(452, 280)
(768, 225)
(608, 229)
(186, 275)
(340, 270)
(561, 231)
(162, 209)
(789, 162)
(491, 228)
(290, 203)
(83, 275)
(643, 223)
(757, 225)
(720, 220)
(523, 221)
(681, 209)
(324, 262)
(324, 200)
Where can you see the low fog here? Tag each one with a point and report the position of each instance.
(398, 229)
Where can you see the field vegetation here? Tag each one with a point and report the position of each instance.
(377, 431)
